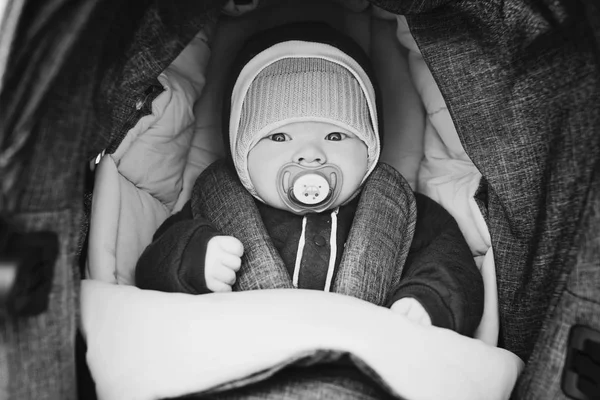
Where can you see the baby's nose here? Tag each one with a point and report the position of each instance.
(310, 154)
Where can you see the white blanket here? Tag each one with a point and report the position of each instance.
(175, 344)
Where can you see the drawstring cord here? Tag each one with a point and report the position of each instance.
(299, 253)
(333, 250)
(332, 253)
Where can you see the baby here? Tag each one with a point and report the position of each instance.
(304, 142)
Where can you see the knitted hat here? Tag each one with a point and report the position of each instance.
(298, 81)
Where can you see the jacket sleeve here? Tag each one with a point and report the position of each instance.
(174, 261)
(440, 271)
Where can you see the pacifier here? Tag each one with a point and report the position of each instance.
(309, 189)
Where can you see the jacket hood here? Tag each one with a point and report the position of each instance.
(317, 32)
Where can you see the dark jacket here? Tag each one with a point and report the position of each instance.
(439, 272)
(443, 278)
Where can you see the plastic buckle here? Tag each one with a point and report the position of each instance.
(26, 270)
(581, 373)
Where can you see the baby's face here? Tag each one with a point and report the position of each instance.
(303, 147)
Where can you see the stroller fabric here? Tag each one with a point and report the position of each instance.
(520, 80)
(137, 185)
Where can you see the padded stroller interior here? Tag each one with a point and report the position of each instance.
(151, 174)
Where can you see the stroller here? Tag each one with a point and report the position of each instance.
(110, 110)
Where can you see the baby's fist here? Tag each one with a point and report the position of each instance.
(223, 260)
(412, 310)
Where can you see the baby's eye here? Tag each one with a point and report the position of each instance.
(278, 137)
(334, 136)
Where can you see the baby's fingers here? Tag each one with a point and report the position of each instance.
(224, 274)
(231, 261)
(402, 306)
(217, 286)
(231, 245)
(412, 309)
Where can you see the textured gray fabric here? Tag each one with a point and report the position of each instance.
(54, 89)
(141, 41)
(379, 238)
(578, 304)
(375, 251)
(521, 82)
(37, 354)
(37, 359)
(38, 54)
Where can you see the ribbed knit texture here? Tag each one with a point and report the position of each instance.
(294, 88)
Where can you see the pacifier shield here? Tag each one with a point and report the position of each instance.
(303, 189)
(311, 189)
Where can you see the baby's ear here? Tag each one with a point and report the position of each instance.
(236, 8)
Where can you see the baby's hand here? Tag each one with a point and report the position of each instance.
(223, 260)
(412, 310)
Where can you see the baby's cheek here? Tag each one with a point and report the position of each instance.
(263, 179)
